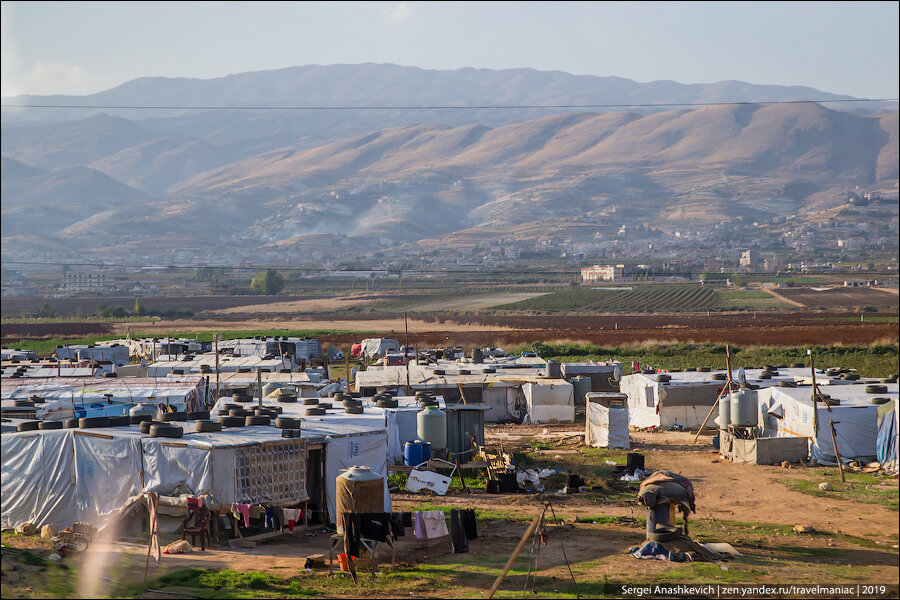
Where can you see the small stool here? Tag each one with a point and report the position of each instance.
(337, 541)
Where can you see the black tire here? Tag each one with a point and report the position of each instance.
(665, 533)
(232, 421)
(138, 419)
(286, 398)
(310, 401)
(200, 415)
(23, 403)
(353, 410)
(230, 406)
(239, 412)
(662, 377)
(120, 421)
(325, 405)
(889, 380)
(242, 398)
(257, 420)
(787, 384)
(769, 367)
(276, 409)
(392, 403)
(145, 425)
(50, 425)
(705, 369)
(719, 377)
(880, 400)
(37, 399)
(223, 412)
(315, 411)
(798, 366)
(287, 423)
(851, 377)
(166, 430)
(206, 426)
(648, 372)
(352, 404)
(691, 370)
(173, 416)
(358, 395)
(765, 375)
(876, 389)
(332, 394)
(28, 426)
(93, 422)
(71, 423)
(243, 370)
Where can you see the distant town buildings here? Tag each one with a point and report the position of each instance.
(603, 273)
(75, 281)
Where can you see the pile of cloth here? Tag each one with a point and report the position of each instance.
(426, 525)
(665, 484)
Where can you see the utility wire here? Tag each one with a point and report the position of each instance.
(447, 106)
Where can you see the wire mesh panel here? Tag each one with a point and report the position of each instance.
(274, 472)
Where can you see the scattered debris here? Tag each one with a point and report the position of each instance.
(825, 486)
(803, 529)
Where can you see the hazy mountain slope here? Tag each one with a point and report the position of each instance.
(77, 143)
(49, 202)
(13, 171)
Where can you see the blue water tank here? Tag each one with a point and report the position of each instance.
(413, 453)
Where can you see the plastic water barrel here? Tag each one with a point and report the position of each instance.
(582, 387)
(723, 420)
(553, 369)
(744, 409)
(426, 450)
(413, 453)
(431, 426)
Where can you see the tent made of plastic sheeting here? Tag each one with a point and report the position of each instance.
(790, 411)
(550, 401)
(372, 347)
(684, 399)
(887, 436)
(15, 353)
(227, 364)
(65, 398)
(606, 426)
(118, 355)
(62, 476)
(69, 352)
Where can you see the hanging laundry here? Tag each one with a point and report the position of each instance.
(270, 517)
(152, 508)
(457, 533)
(292, 515)
(470, 524)
(193, 503)
(244, 510)
(435, 524)
(375, 526)
(397, 528)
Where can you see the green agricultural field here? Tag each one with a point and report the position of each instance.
(638, 299)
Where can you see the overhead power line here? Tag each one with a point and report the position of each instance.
(447, 106)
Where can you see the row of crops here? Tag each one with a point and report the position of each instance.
(643, 298)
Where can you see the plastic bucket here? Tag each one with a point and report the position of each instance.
(344, 563)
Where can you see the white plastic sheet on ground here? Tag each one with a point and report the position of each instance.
(606, 427)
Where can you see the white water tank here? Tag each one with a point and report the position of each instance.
(431, 426)
(744, 408)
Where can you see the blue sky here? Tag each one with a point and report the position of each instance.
(82, 47)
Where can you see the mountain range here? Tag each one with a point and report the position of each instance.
(98, 178)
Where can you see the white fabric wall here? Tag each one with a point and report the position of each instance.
(107, 473)
(642, 401)
(606, 427)
(167, 466)
(550, 402)
(494, 396)
(346, 451)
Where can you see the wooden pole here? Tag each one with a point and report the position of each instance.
(836, 455)
(725, 390)
(516, 552)
(815, 393)
(259, 384)
(216, 342)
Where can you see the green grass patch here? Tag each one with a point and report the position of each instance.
(859, 487)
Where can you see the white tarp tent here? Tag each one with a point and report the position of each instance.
(372, 347)
(66, 398)
(551, 401)
(606, 426)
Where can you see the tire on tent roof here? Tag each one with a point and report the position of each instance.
(145, 425)
(392, 403)
(206, 426)
(120, 421)
(199, 415)
(353, 410)
(93, 422)
(287, 423)
(663, 377)
(325, 405)
(648, 371)
(310, 401)
(28, 426)
(137, 419)
(71, 423)
(242, 398)
(232, 421)
(257, 420)
(239, 412)
(228, 406)
(166, 430)
(705, 369)
(173, 416)
(23, 403)
(880, 400)
(798, 366)
(277, 409)
(787, 384)
(111, 374)
(719, 377)
(876, 389)
(50, 425)
(315, 410)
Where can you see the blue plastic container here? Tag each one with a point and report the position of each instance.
(413, 453)
(715, 441)
(426, 450)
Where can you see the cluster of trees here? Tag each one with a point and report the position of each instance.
(271, 282)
